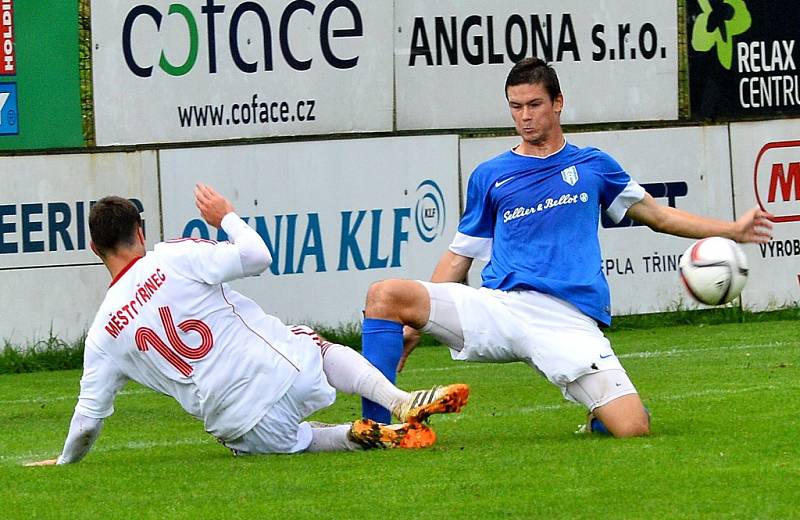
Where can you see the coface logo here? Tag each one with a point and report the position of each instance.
(295, 15)
(776, 180)
(8, 58)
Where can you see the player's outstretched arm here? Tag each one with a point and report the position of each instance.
(218, 212)
(213, 206)
(753, 226)
(48, 462)
(83, 431)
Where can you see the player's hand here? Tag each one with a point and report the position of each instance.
(48, 462)
(754, 226)
(211, 204)
(411, 337)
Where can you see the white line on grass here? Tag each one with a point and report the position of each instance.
(711, 392)
(37, 400)
(144, 445)
(470, 365)
(629, 355)
(102, 448)
(679, 352)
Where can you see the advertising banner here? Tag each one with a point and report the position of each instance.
(205, 70)
(336, 215)
(616, 61)
(8, 55)
(39, 87)
(642, 266)
(45, 258)
(766, 173)
(743, 57)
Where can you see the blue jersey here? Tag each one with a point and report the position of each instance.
(535, 220)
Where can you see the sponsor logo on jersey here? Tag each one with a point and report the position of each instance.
(497, 184)
(549, 203)
(570, 175)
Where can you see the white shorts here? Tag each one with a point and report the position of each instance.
(547, 333)
(281, 429)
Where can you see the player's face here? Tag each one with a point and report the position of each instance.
(535, 114)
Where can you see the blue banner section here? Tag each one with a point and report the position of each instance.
(9, 113)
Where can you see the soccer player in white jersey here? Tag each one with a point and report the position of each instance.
(532, 213)
(170, 322)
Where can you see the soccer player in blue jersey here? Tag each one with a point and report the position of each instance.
(533, 212)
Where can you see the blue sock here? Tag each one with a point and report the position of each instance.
(382, 345)
(597, 426)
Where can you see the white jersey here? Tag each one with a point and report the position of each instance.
(170, 322)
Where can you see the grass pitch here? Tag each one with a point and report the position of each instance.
(724, 445)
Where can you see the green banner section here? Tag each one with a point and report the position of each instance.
(40, 94)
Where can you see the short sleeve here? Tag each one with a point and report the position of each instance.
(476, 228)
(618, 192)
(630, 195)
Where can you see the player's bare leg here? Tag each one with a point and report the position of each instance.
(625, 416)
(390, 305)
(404, 301)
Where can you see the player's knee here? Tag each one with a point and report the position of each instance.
(382, 299)
(635, 425)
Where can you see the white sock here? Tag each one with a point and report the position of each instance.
(332, 438)
(349, 372)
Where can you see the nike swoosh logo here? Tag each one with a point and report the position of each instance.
(497, 184)
(606, 356)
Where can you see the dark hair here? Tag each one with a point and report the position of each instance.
(113, 222)
(534, 70)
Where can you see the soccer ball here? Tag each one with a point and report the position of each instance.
(714, 270)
